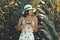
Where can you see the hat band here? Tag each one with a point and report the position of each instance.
(27, 8)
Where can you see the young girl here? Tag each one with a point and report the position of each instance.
(27, 24)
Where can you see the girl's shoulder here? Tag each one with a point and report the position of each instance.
(34, 17)
(21, 18)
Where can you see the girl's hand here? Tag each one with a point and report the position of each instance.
(23, 26)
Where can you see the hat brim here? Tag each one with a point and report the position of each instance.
(29, 8)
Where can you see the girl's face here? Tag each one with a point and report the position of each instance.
(30, 12)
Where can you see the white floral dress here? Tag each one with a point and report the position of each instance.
(27, 32)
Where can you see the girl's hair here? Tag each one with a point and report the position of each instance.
(26, 13)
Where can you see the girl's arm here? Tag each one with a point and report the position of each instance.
(19, 27)
(35, 24)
